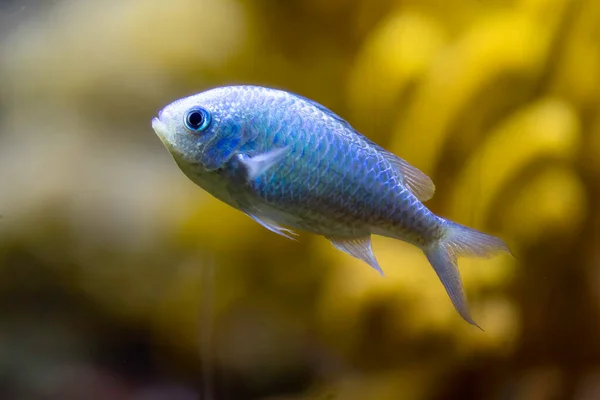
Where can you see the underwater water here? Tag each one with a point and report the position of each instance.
(121, 279)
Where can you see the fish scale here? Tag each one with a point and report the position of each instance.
(289, 162)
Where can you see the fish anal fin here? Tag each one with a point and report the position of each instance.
(359, 247)
(413, 178)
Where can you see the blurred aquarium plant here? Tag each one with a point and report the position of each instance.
(106, 248)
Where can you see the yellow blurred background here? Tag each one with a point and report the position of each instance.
(120, 279)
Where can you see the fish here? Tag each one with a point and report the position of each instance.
(292, 164)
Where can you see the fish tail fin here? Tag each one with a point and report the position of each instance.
(460, 241)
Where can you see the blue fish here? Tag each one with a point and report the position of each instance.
(292, 164)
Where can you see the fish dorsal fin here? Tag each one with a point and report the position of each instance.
(413, 178)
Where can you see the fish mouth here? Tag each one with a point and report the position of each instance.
(161, 130)
(158, 126)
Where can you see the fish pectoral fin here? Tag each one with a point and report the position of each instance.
(274, 227)
(259, 164)
(359, 247)
(413, 178)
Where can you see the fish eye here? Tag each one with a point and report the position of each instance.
(197, 119)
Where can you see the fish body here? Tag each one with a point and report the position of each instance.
(292, 164)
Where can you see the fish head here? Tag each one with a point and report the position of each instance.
(202, 131)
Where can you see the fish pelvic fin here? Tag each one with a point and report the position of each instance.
(460, 241)
(274, 227)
